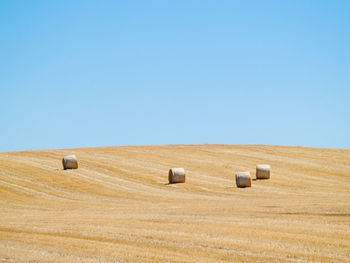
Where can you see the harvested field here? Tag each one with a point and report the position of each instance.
(119, 207)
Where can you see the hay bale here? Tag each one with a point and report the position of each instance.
(70, 162)
(243, 179)
(262, 171)
(176, 175)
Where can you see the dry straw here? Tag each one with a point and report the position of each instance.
(70, 162)
(176, 175)
(243, 179)
(263, 171)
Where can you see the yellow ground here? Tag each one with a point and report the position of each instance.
(118, 207)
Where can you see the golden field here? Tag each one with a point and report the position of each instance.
(118, 207)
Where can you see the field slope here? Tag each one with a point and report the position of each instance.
(118, 207)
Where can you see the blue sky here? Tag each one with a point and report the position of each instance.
(108, 73)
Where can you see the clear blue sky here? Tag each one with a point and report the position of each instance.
(107, 73)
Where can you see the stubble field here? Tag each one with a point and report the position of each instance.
(118, 206)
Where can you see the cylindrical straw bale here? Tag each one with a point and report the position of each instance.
(263, 171)
(243, 179)
(176, 175)
(70, 162)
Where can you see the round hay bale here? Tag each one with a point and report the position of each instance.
(243, 179)
(176, 175)
(70, 162)
(262, 171)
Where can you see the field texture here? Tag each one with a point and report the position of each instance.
(118, 207)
